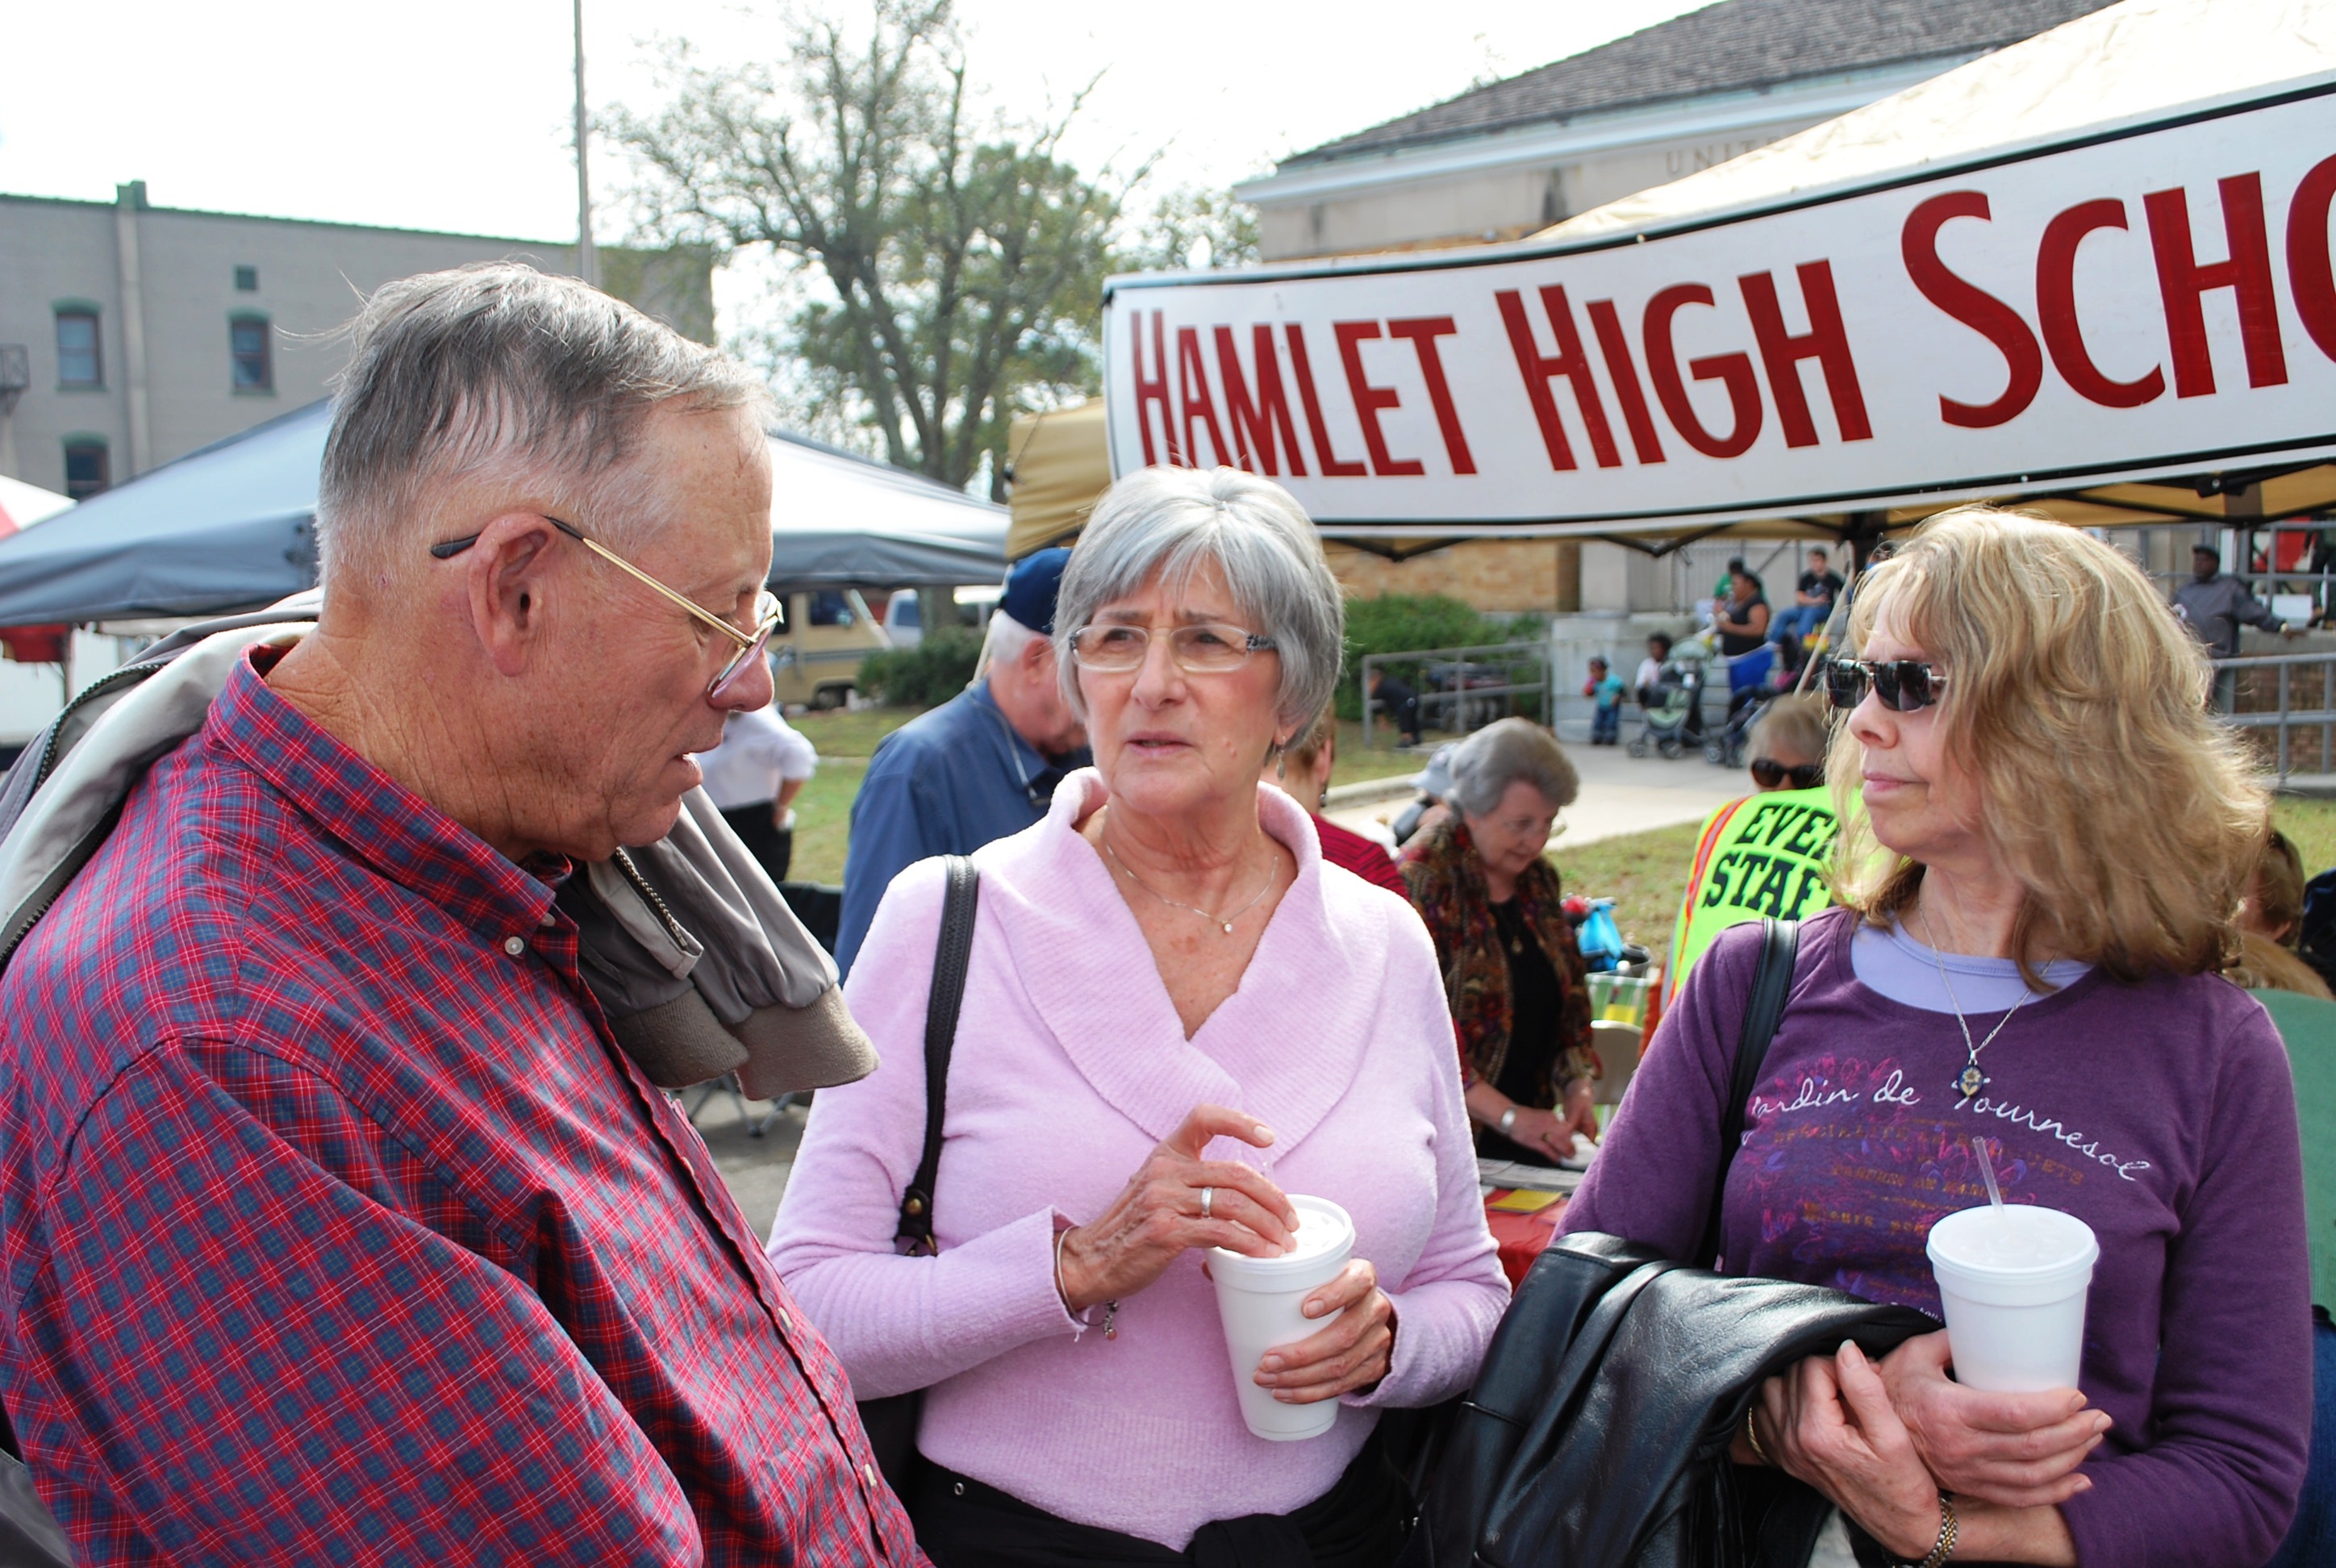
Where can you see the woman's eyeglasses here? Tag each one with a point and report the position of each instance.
(768, 612)
(1770, 774)
(1904, 684)
(1212, 648)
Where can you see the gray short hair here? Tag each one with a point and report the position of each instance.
(1172, 520)
(1514, 750)
(1004, 641)
(497, 367)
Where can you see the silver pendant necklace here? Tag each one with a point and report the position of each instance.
(1971, 1080)
(1224, 922)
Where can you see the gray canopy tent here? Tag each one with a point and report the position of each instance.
(233, 527)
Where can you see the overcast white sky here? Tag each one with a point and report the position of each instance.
(452, 114)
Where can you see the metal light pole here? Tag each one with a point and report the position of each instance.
(587, 259)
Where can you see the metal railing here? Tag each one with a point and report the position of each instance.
(1469, 701)
(2291, 678)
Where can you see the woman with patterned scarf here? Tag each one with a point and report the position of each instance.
(1512, 970)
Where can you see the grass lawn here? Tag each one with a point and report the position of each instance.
(845, 741)
(1644, 874)
(2310, 826)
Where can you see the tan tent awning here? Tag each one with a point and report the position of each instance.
(1056, 465)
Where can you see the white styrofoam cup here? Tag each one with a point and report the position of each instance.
(1259, 1300)
(2014, 1283)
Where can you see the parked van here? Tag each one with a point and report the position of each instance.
(823, 636)
(904, 614)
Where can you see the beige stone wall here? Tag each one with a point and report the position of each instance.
(1499, 576)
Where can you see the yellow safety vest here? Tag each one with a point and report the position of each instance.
(1766, 854)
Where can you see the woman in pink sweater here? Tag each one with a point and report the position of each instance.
(1176, 1013)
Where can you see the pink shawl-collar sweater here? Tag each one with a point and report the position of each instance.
(1070, 1065)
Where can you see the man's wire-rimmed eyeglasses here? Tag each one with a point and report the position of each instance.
(767, 609)
(1212, 648)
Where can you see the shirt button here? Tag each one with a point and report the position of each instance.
(786, 1324)
(515, 945)
(549, 920)
(867, 1474)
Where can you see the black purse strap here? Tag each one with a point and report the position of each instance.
(1772, 982)
(952, 957)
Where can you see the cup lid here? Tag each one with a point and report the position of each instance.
(1323, 1229)
(2022, 1239)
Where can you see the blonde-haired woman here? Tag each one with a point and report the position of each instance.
(2035, 895)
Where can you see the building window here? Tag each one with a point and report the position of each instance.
(79, 363)
(86, 469)
(247, 281)
(247, 342)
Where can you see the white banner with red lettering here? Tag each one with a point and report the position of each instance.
(2154, 302)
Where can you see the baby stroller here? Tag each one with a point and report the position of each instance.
(1724, 748)
(1751, 682)
(1674, 721)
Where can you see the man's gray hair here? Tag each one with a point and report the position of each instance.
(495, 370)
(1171, 522)
(1004, 642)
(1514, 751)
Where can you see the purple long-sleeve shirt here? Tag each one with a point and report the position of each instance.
(2160, 1113)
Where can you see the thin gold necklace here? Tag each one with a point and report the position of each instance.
(1971, 1080)
(1225, 921)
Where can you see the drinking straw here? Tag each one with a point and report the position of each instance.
(1987, 1173)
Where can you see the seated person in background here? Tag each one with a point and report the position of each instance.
(1512, 963)
(2270, 917)
(1742, 623)
(1167, 943)
(1606, 687)
(1305, 772)
(1647, 685)
(2054, 835)
(754, 777)
(1813, 601)
(1399, 702)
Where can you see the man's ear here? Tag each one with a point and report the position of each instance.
(506, 573)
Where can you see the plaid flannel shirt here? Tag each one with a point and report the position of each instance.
(336, 1228)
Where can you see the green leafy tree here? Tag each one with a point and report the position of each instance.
(949, 273)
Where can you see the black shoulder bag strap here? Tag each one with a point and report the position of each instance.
(951, 955)
(1780, 942)
(891, 1422)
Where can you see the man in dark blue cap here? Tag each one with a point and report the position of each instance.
(979, 766)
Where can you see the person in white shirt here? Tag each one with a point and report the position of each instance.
(754, 777)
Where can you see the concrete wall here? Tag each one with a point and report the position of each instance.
(310, 277)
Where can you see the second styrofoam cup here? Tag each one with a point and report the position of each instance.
(2014, 1283)
(1260, 1300)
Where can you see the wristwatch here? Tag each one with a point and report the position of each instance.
(1508, 1121)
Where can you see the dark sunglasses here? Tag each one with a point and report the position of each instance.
(1805, 775)
(1904, 684)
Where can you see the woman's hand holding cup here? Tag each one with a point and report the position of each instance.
(1176, 1201)
(1354, 1352)
(2017, 1450)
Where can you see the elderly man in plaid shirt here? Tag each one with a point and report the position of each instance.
(336, 1227)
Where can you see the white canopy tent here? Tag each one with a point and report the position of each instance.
(1788, 342)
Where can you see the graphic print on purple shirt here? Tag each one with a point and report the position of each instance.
(2161, 1113)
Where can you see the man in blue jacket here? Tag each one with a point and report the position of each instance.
(979, 766)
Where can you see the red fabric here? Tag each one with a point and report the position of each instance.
(1366, 858)
(338, 1228)
(1522, 1237)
